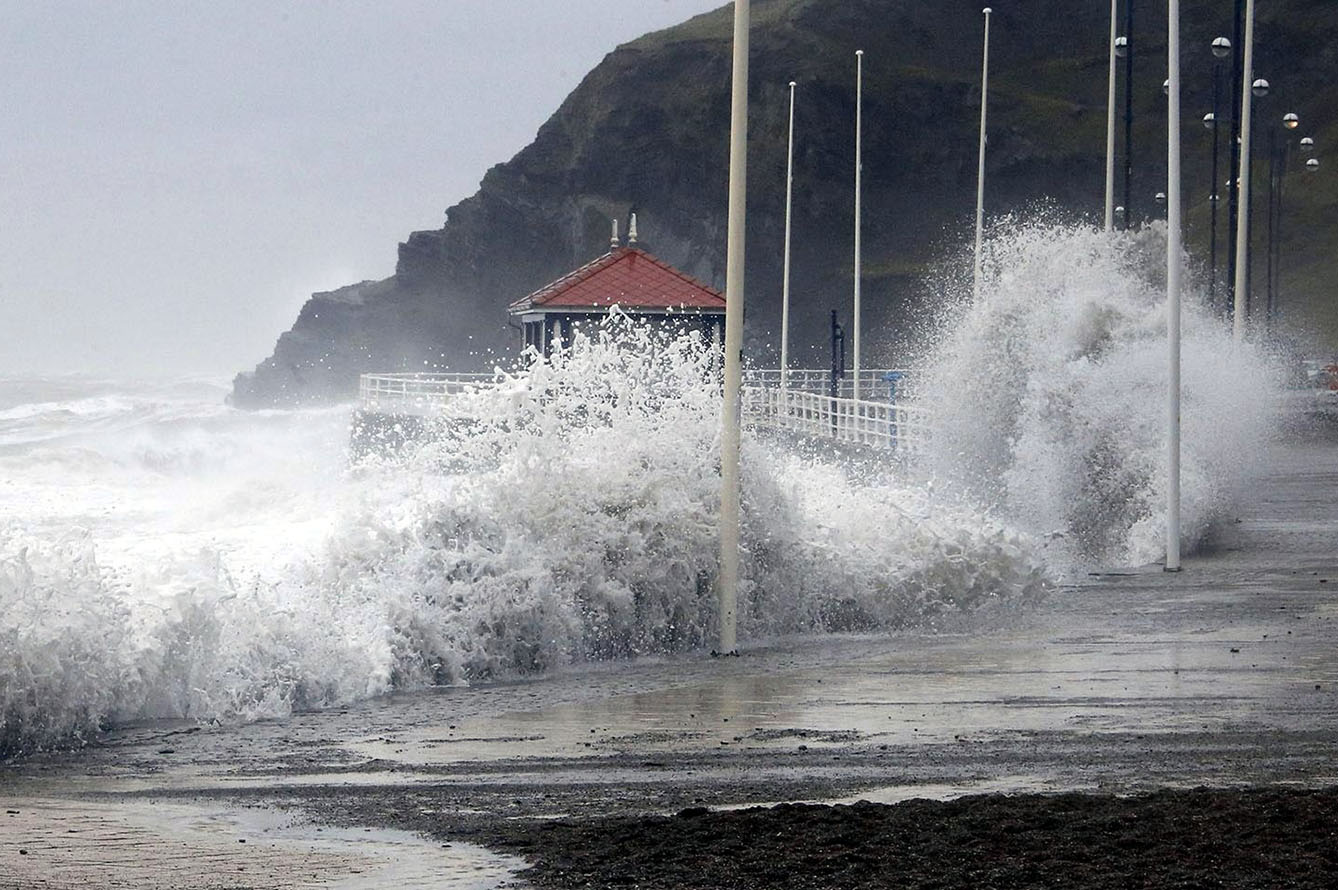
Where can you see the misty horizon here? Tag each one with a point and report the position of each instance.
(184, 179)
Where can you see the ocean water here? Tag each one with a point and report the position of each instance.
(164, 556)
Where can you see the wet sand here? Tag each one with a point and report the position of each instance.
(1086, 722)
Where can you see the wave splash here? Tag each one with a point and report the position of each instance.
(1049, 397)
(566, 514)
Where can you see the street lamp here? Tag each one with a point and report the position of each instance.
(1312, 165)
(1277, 172)
(1124, 49)
(1290, 121)
(1260, 88)
(1221, 48)
(980, 171)
(1243, 179)
(1308, 145)
(1109, 217)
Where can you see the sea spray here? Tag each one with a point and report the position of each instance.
(566, 513)
(1048, 396)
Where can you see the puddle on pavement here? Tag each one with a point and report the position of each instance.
(902, 699)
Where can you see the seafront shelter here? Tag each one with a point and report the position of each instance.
(628, 277)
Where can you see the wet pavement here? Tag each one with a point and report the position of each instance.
(1225, 674)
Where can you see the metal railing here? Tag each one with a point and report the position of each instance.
(882, 425)
(873, 382)
(806, 407)
(413, 393)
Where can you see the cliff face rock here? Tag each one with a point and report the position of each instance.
(647, 130)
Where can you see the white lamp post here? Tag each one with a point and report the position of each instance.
(1173, 249)
(729, 422)
(785, 274)
(1243, 178)
(980, 169)
(859, 165)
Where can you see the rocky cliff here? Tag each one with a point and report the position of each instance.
(647, 130)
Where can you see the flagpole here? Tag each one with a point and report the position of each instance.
(1173, 250)
(733, 366)
(980, 169)
(859, 165)
(785, 275)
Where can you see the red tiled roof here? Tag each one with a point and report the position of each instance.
(627, 277)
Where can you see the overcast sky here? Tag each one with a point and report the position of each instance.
(176, 177)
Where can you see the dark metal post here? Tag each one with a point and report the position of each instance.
(1272, 197)
(1275, 230)
(1128, 110)
(1249, 216)
(838, 366)
(1214, 195)
(1233, 191)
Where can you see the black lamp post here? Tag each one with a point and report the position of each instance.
(1221, 50)
(1124, 50)
(1260, 88)
(1234, 186)
(1277, 171)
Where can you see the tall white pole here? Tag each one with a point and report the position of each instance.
(729, 419)
(785, 275)
(859, 167)
(980, 168)
(1110, 124)
(1243, 181)
(1173, 250)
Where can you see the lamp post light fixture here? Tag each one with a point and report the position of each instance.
(1260, 88)
(1308, 145)
(1121, 46)
(1312, 165)
(1221, 48)
(1290, 121)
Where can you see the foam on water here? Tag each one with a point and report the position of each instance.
(164, 556)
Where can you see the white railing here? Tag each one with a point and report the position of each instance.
(805, 407)
(882, 425)
(412, 393)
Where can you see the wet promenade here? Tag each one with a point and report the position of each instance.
(1223, 675)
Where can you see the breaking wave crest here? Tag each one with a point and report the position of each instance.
(566, 514)
(162, 556)
(1049, 396)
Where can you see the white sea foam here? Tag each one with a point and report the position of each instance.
(164, 556)
(1049, 396)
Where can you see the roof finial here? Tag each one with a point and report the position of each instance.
(631, 231)
(613, 242)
